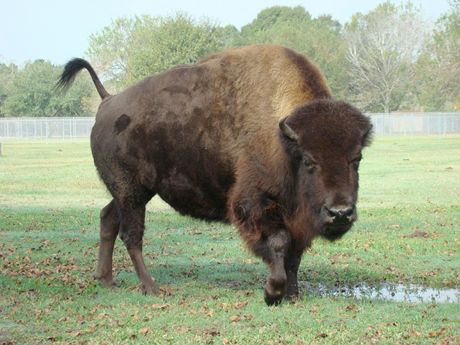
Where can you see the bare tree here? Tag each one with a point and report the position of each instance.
(382, 48)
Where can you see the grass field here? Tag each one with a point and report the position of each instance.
(50, 199)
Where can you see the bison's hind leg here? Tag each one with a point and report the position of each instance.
(109, 226)
(132, 221)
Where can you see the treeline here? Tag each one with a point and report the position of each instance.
(389, 59)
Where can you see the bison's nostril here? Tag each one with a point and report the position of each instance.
(346, 212)
(330, 212)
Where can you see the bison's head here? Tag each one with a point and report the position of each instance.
(324, 140)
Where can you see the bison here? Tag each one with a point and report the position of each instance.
(250, 136)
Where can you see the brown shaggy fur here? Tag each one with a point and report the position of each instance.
(205, 138)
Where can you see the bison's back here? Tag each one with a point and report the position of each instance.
(182, 133)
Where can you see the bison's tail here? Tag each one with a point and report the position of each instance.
(70, 71)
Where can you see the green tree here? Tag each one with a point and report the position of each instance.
(7, 74)
(318, 38)
(438, 68)
(32, 93)
(132, 48)
(383, 46)
(109, 49)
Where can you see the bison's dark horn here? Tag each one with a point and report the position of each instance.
(288, 131)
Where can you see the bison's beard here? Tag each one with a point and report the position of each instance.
(333, 232)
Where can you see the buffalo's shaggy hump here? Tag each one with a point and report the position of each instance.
(251, 136)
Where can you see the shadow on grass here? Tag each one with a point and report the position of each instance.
(240, 276)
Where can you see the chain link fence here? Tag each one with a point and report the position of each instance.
(416, 123)
(80, 127)
(46, 127)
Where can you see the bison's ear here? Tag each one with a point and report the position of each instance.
(287, 131)
(368, 134)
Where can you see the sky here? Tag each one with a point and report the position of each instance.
(58, 30)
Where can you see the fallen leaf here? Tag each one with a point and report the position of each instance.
(418, 233)
(230, 306)
(166, 291)
(235, 318)
(351, 307)
(160, 306)
(246, 292)
(314, 309)
(225, 306)
(212, 332)
(145, 331)
(240, 305)
(75, 333)
(6, 342)
(436, 333)
(415, 334)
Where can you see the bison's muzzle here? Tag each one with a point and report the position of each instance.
(337, 220)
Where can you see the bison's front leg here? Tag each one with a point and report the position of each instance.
(274, 254)
(291, 265)
(260, 224)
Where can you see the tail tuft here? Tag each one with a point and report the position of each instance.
(72, 68)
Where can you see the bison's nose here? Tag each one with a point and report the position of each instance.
(340, 214)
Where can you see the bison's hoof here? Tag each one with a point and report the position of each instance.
(291, 298)
(109, 284)
(106, 282)
(272, 299)
(150, 289)
(292, 293)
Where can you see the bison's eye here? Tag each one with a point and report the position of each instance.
(355, 163)
(309, 164)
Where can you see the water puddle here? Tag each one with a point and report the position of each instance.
(386, 292)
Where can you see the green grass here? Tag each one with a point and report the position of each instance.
(50, 198)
